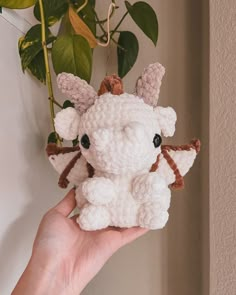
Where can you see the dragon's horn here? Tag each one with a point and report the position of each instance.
(148, 85)
(77, 90)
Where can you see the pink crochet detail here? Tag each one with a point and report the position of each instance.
(148, 85)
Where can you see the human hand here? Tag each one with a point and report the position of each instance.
(67, 256)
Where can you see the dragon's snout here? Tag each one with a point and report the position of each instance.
(129, 134)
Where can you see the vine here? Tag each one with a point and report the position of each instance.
(48, 73)
(78, 37)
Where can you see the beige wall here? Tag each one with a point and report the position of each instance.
(163, 262)
(205, 248)
(170, 261)
(222, 147)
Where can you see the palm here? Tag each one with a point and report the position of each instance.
(62, 237)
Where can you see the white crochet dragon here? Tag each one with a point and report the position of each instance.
(121, 172)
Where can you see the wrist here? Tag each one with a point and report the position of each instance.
(45, 274)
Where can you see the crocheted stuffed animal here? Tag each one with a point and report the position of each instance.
(121, 171)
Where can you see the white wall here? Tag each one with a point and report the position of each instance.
(27, 181)
(162, 262)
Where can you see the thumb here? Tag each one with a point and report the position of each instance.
(66, 205)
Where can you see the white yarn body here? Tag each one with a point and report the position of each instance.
(121, 131)
(124, 210)
(137, 200)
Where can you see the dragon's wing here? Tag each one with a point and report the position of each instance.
(175, 161)
(69, 163)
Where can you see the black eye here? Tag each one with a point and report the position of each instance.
(157, 140)
(85, 142)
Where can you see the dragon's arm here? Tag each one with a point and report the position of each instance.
(175, 161)
(69, 163)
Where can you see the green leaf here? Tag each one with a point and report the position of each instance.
(53, 10)
(17, 4)
(127, 52)
(87, 15)
(72, 54)
(52, 138)
(37, 67)
(31, 52)
(145, 17)
(30, 45)
(92, 3)
(68, 104)
(81, 28)
(75, 141)
(65, 26)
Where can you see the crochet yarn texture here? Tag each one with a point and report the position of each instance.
(121, 171)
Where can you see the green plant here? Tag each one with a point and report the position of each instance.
(81, 31)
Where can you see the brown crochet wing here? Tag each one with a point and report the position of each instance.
(174, 162)
(65, 160)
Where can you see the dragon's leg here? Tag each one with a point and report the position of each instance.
(151, 215)
(94, 217)
(151, 187)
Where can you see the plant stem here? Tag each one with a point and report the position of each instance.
(103, 21)
(82, 6)
(119, 23)
(117, 44)
(117, 31)
(97, 19)
(48, 73)
(57, 103)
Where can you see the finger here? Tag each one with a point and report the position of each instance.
(131, 234)
(67, 205)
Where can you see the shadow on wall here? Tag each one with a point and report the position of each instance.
(184, 231)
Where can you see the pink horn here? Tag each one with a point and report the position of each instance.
(77, 90)
(148, 85)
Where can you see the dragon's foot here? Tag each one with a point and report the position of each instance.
(151, 187)
(152, 216)
(93, 217)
